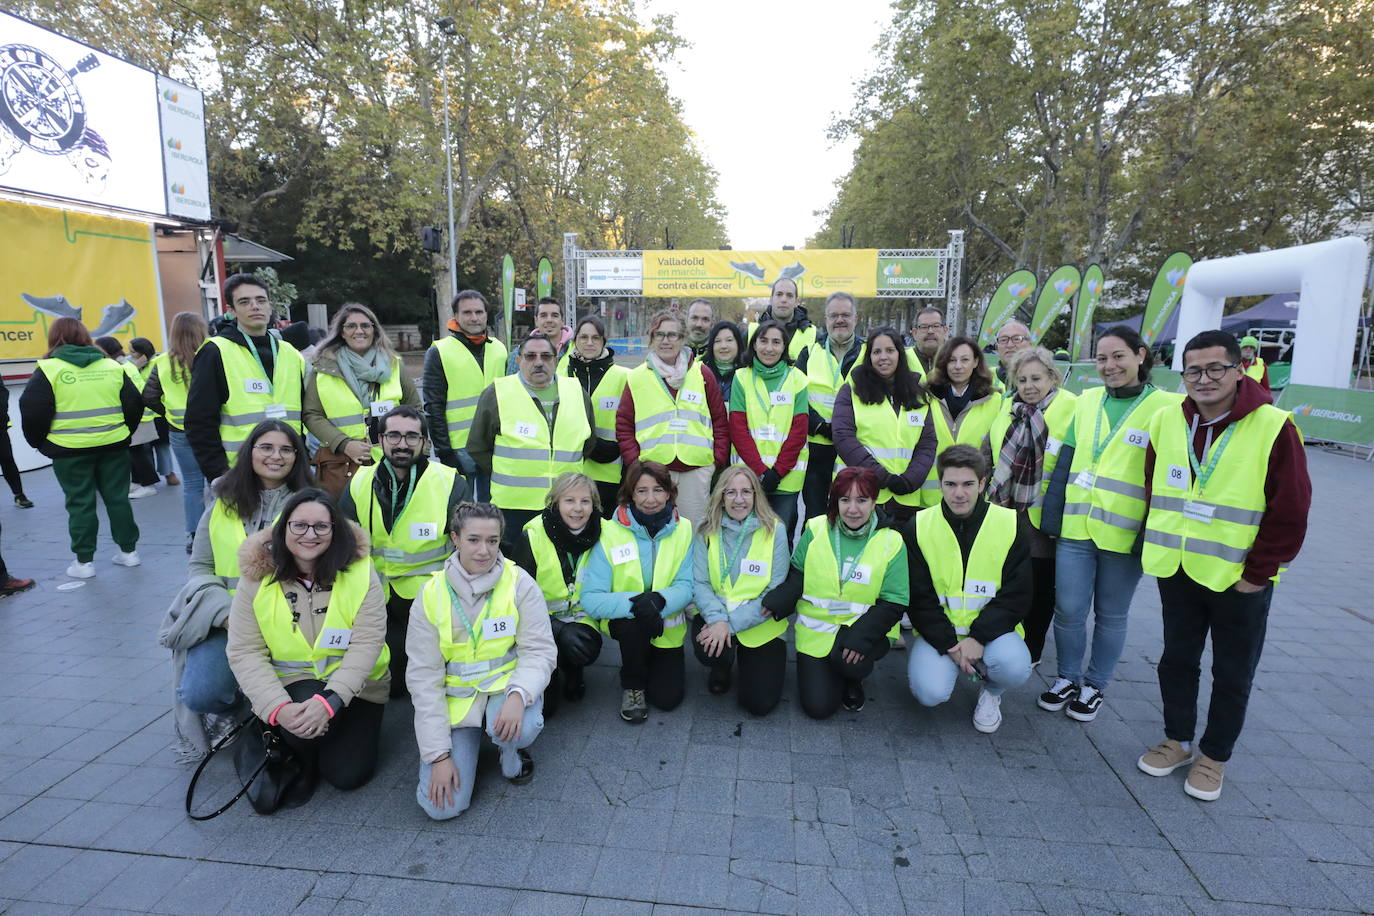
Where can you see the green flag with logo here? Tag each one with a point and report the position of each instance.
(1089, 294)
(1054, 299)
(1165, 294)
(544, 281)
(1012, 292)
(508, 293)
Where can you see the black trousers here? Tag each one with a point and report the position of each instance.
(142, 468)
(1237, 622)
(7, 465)
(397, 623)
(760, 672)
(821, 681)
(515, 519)
(346, 755)
(660, 673)
(1041, 614)
(785, 505)
(610, 493)
(820, 471)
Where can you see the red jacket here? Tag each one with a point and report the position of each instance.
(1287, 488)
(720, 427)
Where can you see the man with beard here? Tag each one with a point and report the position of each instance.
(784, 307)
(548, 319)
(927, 334)
(700, 316)
(404, 503)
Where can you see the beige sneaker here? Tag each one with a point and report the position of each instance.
(1204, 779)
(1163, 759)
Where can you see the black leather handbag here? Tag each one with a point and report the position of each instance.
(266, 768)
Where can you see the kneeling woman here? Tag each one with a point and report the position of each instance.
(740, 553)
(307, 640)
(850, 572)
(481, 653)
(553, 547)
(639, 581)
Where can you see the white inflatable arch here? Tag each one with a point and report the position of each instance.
(1329, 279)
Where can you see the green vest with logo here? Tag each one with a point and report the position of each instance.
(480, 665)
(253, 398)
(88, 412)
(291, 655)
(466, 382)
(891, 438)
(769, 416)
(418, 542)
(526, 456)
(670, 428)
(756, 570)
(1058, 416)
(1207, 522)
(826, 604)
(965, 589)
(622, 551)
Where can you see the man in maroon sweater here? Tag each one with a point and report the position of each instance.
(1213, 548)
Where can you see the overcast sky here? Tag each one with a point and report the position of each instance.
(759, 86)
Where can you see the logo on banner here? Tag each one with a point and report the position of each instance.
(1321, 413)
(41, 109)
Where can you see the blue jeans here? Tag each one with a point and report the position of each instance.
(1087, 577)
(192, 480)
(207, 685)
(467, 742)
(932, 675)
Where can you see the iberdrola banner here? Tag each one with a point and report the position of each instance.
(508, 293)
(544, 279)
(1089, 294)
(1054, 299)
(1015, 289)
(1165, 294)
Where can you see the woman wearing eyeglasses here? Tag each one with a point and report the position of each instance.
(307, 641)
(355, 377)
(672, 413)
(269, 468)
(1098, 490)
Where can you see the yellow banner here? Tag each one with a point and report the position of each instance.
(719, 274)
(56, 263)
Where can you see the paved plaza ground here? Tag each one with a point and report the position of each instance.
(890, 809)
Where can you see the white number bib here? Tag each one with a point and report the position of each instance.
(915, 418)
(690, 397)
(257, 386)
(332, 638)
(1199, 512)
(1137, 437)
(498, 628)
(980, 588)
(767, 434)
(623, 553)
(1085, 479)
(677, 425)
(779, 398)
(610, 403)
(424, 531)
(1052, 446)
(275, 411)
(861, 574)
(1178, 476)
(382, 408)
(754, 568)
(526, 430)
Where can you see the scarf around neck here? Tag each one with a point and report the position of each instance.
(361, 371)
(672, 375)
(1021, 462)
(653, 523)
(567, 545)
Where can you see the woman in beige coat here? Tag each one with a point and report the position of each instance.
(481, 652)
(307, 640)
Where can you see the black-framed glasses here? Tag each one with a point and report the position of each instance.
(391, 437)
(1214, 372)
(1014, 338)
(300, 528)
(930, 327)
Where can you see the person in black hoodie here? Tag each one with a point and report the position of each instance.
(967, 607)
(593, 365)
(784, 307)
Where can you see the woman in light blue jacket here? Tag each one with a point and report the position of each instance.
(638, 582)
(740, 553)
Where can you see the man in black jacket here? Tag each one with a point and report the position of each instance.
(967, 607)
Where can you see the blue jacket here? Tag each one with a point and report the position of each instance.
(597, 598)
(709, 603)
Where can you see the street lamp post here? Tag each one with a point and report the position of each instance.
(449, 30)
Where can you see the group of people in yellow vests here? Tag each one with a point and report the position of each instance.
(475, 539)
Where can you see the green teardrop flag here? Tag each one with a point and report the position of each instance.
(1054, 299)
(508, 293)
(1165, 294)
(1089, 294)
(544, 281)
(1015, 289)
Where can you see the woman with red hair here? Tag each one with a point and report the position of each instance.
(848, 583)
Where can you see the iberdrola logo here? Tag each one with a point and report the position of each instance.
(1065, 287)
(178, 188)
(1321, 413)
(893, 270)
(1094, 287)
(1176, 277)
(1018, 291)
(173, 143)
(169, 95)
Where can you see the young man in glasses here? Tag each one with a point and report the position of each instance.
(403, 502)
(1228, 493)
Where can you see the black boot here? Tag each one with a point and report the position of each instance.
(719, 679)
(574, 684)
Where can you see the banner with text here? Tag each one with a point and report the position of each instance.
(1336, 414)
(1054, 299)
(1089, 294)
(1012, 292)
(1165, 294)
(817, 272)
(62, 264)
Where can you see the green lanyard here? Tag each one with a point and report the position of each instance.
(462, 615)
(835, 547)
(1100, 447)
(1200, 473)
(727, 565)
(398, 508)
(834, 364)
(764, 405)
(253, 348)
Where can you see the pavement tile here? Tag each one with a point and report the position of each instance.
(694, 880)
(639, 828)
(30, 821)
(537, 903)
(627, 874)
(768, 838)
(565, 868)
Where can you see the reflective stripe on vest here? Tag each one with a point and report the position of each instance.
(823, 381)
(564, 600)
(770, 429)
(227, 534)
(1208, 531)
(244, 410)
(669, 552)
(290, 654)
(526, 458)
(342, 407)
(88, 412)
(672, 429)
(891, 438)
(973, 428)
(825, 606)
(752, 581)
(965, 589)
(1058, 416)
(466, 381)
(402, 559)
(1111, 512)
(473, 667)
(174, 392)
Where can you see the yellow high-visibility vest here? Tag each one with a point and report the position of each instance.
(343, 409)
(825, 604)
(965, 589)
(973, 428)
(466, 382)
(88, 412)
(756, 570)
(253, 398)
(891, 438)
(291, 655)
(605, 400)
(174, 391)
(527, 456)
(622, 551)
(769, 415)
(418, 542)
(480, 664)
(671, 428)
(564, 599)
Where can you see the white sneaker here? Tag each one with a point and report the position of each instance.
(987, 715)
(140, 491)
(126, 559)
(79, 570)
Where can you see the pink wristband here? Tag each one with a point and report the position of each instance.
(327, 708)
(272, 719)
